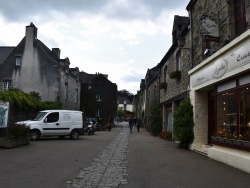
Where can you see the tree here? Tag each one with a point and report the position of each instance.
(155, 120)
(124, 93)
(184, 123)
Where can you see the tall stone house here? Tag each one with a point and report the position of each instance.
(148, 93)
(98, 96)
(174, 67)
(32, 66)
(220, 78)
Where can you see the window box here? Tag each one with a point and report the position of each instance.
(246, 143)
(163, 85)
(220, 139)
(237, 142)
(214, 138)
(175, 75)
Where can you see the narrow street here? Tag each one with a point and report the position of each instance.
(113, 159)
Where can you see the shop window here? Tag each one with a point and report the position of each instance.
(227, 113)
(244, 113)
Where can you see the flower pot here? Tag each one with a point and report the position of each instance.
(214, 138)
(246, 143)
(228, 141)
(13, 143)
(221, 139)
(237, 142)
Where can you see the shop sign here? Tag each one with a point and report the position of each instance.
(221, 67)
(209, 28)
(4, 109)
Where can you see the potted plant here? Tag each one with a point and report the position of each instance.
(175, 74)
(163, 85)
(16, 136)
(220, 136)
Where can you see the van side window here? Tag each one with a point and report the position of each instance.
(53, 117)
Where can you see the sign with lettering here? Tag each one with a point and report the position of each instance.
(209, 27)
(4, 110)
(221, 67)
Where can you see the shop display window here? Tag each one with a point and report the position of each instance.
(227, 114)
(244, 113)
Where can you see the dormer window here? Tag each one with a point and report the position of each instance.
(18, 60)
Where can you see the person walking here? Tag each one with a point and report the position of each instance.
(138, 125)
(131, 123)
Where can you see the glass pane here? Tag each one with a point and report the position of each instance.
(244, 80)
(227, 114)
(244, 130)
(226, 86)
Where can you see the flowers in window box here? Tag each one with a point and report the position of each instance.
(163, 85)
(175, 74)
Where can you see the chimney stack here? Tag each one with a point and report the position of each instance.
(57, 52)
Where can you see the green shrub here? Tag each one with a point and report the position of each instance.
(155, 120)
(184, 123)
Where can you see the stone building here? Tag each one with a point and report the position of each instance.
(98, 96)
(174, 67)
(32, 66)
(220, 78)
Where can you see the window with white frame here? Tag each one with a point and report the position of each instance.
(98, 97)
(18, 60)
(6, 84)
(178, 61)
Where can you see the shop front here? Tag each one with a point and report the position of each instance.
(220, 94)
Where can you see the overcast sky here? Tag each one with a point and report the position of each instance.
(121, 38)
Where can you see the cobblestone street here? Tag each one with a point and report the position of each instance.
(109, 169)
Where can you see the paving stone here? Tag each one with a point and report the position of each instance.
(108, 169)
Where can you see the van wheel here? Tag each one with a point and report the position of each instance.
(34, 135)
(74, 135)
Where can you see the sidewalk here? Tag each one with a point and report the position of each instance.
(157, 163)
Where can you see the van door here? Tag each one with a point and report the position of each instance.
(51, 124)
(66, 121)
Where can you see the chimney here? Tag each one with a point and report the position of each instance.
(31, 35)
(57, 52)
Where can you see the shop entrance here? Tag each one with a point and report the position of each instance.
(211, 115)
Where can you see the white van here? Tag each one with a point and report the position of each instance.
(56, 122)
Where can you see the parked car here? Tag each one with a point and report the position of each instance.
(56, 123)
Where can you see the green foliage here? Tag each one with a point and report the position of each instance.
(17, 131)
(155, 120)
(184, 123)
(22, 101)
(120, 113)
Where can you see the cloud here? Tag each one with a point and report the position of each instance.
(121, 38)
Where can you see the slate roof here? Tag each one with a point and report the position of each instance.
(5, 52)
(85, 77)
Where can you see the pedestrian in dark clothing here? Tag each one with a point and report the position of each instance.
(131, 124)
(138, 125)
(110, 123)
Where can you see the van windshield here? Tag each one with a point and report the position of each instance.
(39, 116)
